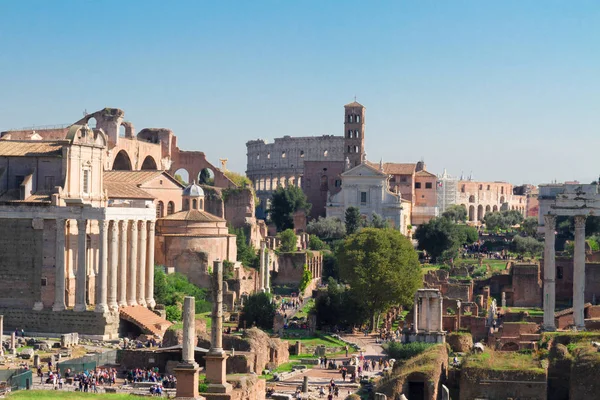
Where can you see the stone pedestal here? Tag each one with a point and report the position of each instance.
(215, 373)
(305, 384)
(187, 381)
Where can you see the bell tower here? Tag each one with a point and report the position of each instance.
(354, 133)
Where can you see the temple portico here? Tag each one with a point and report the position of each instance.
(427, 318)
(571, 200)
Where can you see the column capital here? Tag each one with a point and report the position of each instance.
(81, 223)
(123, 225)
(114, 226)
(103, 224)
(550, 221)
(580, 221)
(142, 224)
(151, 225)
(133, 226)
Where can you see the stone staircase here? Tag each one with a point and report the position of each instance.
(145, 319)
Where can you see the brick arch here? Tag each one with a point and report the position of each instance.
(122, 162)
(510, 346)
(149, 163)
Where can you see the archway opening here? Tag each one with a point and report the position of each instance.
(122, 131)
(92, 122)
(122, 162)
(480, 212)
(510, 346)
(206, 177)
(471, 213)
(182, 176)
(149, 164)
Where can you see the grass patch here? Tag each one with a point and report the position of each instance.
(285, 367)
(504, 361)
(534, 312)
(47, 394)
(306, 308)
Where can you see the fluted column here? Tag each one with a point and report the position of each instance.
(59, 261)
(150, 267)
(579, 272)
(549, 273)
(102, 279)
(81, 276)
(141, 278)
(113, 265)
(123, 263)
(131, 295)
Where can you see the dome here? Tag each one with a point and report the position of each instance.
(193, 190)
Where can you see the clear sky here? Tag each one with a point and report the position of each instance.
(507, 89)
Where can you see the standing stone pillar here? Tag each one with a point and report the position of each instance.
(549, 273)
(187, 370)
(59, 261)
(13, 343)
(268, 272)
(81, 277)
(216, 357)
(1, 334)
(503, 299)
(305, 384)
(113, 265)
(427, 311)
(150, 267)
(123, 263)
(141, 279)
(102, 280)
(441, 311)
(131, 295)
(261, 274)
(579, 272)
(416, 315)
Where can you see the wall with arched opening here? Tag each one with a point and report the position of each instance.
(183, 176)
(149, 163)
(122, 162)
(206, 177)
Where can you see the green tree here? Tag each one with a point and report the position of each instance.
(456, 213)
(529, 226)
(382, 268)
(527, 246)
(239, 179)
(284, 203)
(179, 178)
(314, 243)
(340, 307)
(306, 278)
(440, 238)
(327, 228)
(502, 220)
(288, 241)
(378, 222)
(246, 253)
(330, 266)
(260, 310)
(353, 220)
(172, 288)
(468, 234)
(206, 177)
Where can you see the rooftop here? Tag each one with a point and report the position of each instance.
(17, 148)
(194, 215)
(395, 168)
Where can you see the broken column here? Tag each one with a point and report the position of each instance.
(305, 384)
(216, 357)
(549, 273)
(503, 299)
(187, 370)
(579, 272)
(13, 343)
(267, 272)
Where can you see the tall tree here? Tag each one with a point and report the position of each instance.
(288, 240)
(440, 238)
(353, 220)
(330, 228)
(259, 310)
(529, 226)
(456, 213)
(284, 203)
(377, 221)
(382, 268)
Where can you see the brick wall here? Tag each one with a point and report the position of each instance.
(527, 285)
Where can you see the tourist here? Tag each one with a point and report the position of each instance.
(321, 391)
(336, 392)
(346, 348)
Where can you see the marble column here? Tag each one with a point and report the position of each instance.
(416, 315)
(141, 278)
(59, 261)
(123, 263)
(113, 265)
(150, 267)
(81, 275)
(441, 310)
(427, 302)
(216, 357)
(549, 273)
(102, 279)
(267, 272)
(133, 242)
(186, 371)
(579, 272)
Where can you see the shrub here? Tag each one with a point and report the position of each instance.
(314, 243)
(401, 351)
(288, 240)
(259, 310)
(172, 288)
(173, 313)
(306, 278)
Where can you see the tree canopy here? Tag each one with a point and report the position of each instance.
(377, 221)
(352, 219)
(259, 310)
(170, 289)
(527, 246)
(382, 268)
(327, 228)
(502, 220)
(284, 203)
(288, 241)
(246, 253)
(529, 226)
(339, 307)
(456, 213)
(441, 238)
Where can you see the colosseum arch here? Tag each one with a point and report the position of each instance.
(472, 199)
(480, 213)
(488, 209)
(122, 162)
(149, 163)
(495, 209)
(471, 213)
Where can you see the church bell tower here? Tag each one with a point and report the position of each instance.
(354, 133)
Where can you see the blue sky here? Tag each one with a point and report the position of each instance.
(509, 90)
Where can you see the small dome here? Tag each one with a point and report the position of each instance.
(193, 190)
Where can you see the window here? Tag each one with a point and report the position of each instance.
(356, 149)
(356, 134)
(349, 149)
(462, 189)
(403, 179)
(559, 272)
(480, 187)
(48, 183)
(502, 190)
(363, 198)
(488, 187)
(325, 153)
(170, 208)
(161, 182)
(44, 281)
(358, 119)
(417, 185)
(349, 118)
(160, 209)
(194, 204)
(86, 181)
(338, 183)
(301, 153)
(283, 154)
(428, 185)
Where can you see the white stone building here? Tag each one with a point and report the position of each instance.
(366, 187)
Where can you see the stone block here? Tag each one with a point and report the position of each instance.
(27, 354)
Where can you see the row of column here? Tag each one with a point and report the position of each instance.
(550, 272)
(125, 270)
(423, 313)
(271, 183)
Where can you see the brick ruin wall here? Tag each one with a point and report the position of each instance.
(478, 383)
(527, 286)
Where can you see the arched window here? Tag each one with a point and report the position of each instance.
(480, 187)
(283, 154)
(160, 209)
(462, 189)
(325, 153)
(201, 204)
(349, 149)
(358, 134)
(170, 208)
(471, 199)
(269, 156)
(358, 119)
(195, 204)
(349, 133)
(301, 153)
(356, 149)
(349, 118)
(187, 204)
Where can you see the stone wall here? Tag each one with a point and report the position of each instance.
(478, 383)
(86, 323)
(527, 285)
(564, 280)
(462, 291)
(321, 178)
(290, 267)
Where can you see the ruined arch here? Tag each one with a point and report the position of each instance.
(488, 209)
(416, 386)
(206, 177)
(183, 176)
(479, 213)
(471, 213)
(122, 131)
(122, 162)
(160, 209)
(92, 122)
(495, 209)
(510, 346)
(149, 163)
